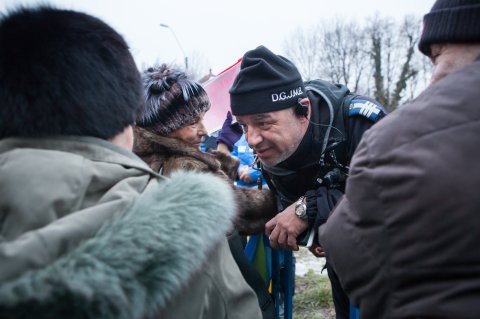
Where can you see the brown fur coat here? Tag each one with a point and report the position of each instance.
(165, 155)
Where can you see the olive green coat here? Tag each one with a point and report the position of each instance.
(87, 230)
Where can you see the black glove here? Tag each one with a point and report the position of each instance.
(230, 133)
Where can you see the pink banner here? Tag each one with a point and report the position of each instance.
(217, 89)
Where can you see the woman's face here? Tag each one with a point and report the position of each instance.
(192, 133)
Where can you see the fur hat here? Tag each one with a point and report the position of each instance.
(172, 100)
(266, 82)
(451, 21)
(65, 72)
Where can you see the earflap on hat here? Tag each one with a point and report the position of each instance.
(172, 100)
(266, 82)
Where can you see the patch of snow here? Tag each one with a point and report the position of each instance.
(305, 260)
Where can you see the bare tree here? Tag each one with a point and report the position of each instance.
(334, 54)
(393, 52)
(344, 56)
(305, 50)
(408, 71)
(421, 79)
(378, 59)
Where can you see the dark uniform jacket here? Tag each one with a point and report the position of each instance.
(404, 240)
(319, 167)
(338, 122)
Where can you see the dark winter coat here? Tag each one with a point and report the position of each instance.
(254, 207)
(88, 230)
(404, 240)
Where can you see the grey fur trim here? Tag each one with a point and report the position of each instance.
(135, 264)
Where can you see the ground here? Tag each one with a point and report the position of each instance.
(313, 297)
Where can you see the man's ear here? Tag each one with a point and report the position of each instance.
(124, 139)
(303, 107)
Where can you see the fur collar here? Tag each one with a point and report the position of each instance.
(150, 146)
(134, 264)
(172, 154)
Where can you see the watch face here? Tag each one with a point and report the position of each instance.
(300, 210)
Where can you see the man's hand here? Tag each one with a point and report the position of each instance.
(284, 229)
(317, 250)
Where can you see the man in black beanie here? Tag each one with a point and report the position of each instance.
(304, 135)
(414, 246)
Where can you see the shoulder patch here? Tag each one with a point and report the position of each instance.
(365, 108)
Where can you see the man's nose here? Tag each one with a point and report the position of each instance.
(253, 137)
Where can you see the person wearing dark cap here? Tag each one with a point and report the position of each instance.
(411, 251)
(167, 137)
(304, 135)
(87, 229)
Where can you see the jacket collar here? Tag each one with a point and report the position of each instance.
(91, 148)
(148, 143)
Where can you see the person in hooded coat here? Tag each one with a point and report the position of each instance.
(87, 229)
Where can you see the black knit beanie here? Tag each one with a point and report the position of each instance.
(451, 21)
(266, 82)
(172, 100)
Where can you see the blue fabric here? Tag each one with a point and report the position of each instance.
(354, 312)
(251, 247)
(259, 253)
(365, 108)
(244, 153)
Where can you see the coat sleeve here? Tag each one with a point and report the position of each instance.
(255, 208)
(354, 235)
(356, 127)
(230, 297)
(217, 290)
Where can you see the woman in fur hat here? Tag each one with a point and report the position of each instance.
(169, 132)
(167, 137)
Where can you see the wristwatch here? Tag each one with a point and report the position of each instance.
(301, 208)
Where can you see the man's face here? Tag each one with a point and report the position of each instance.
(274, 136)
(450, 57)
(192, 133)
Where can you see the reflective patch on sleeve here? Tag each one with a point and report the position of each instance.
(366, 109)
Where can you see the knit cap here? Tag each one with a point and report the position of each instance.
(172, 100)
(266, 82)
(451, 21)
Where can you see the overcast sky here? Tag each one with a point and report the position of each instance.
(220, 31)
